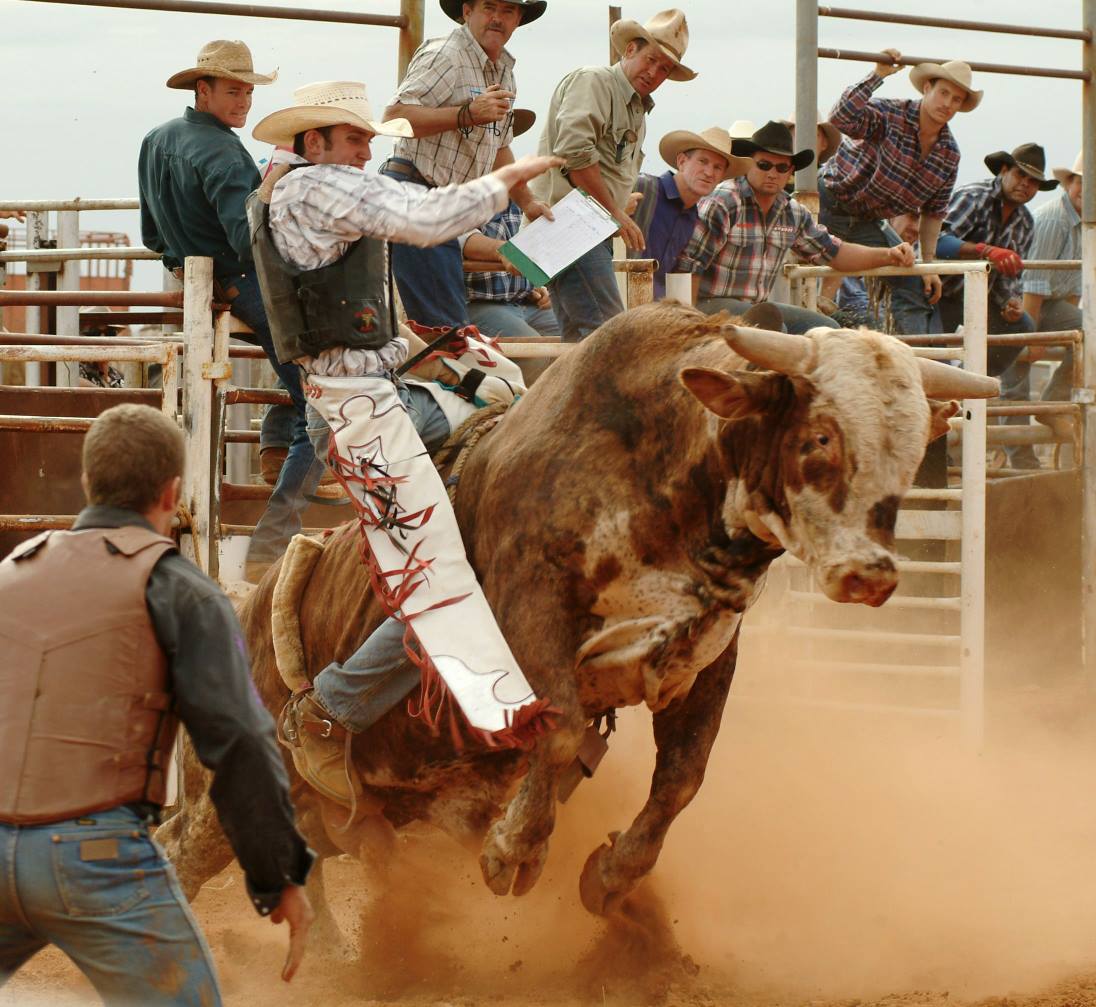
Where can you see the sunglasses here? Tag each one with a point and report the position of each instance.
(783, 167)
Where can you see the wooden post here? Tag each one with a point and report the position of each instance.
(36, 234)
(972, 611)
(1086, 395)
(411, 36)
(641, 288)
(170, 382)
(679, 287)
(198, 402)
(614, 17)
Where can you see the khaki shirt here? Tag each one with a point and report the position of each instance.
(592, 119)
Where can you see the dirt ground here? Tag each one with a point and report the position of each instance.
(826, 861)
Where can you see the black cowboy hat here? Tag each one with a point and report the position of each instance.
(1030, 158)
(531, 9)
(775, 138)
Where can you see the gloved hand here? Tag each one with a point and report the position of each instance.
(1004, 260)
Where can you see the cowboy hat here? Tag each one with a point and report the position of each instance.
(99, 309)
(667, 29)
(742, 129)
(830, 132)
(716, 139)
(327, 103)
(954, 70)
(221, 58)
(1065, 174)
(530, 9)
(775, 138)
(1030, 158)
(523, 120)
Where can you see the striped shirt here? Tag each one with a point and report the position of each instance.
(1057, 235)
(316, 212)
(499, 286)
(975, 215)
(878, 170)
(445, 72)
(738, 251)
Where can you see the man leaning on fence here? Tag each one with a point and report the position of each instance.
(194, 177)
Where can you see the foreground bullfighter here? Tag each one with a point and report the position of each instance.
(621, 518)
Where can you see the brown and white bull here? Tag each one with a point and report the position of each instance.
(621, 519)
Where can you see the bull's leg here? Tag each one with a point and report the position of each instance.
(516, 845)
(684, 734)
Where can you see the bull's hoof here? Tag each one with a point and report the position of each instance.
(497, 864)
(595, 895)
(529, 871)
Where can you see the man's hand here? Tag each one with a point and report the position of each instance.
(631, 234)
(886, 69)
(17, 214)
(1012, 309)
(634, 199)
(535, 208)
(491, 106)
(933, 288)
(1004, 260)
(295, 909)
(541, 298)
(900, 255)
(526, 168)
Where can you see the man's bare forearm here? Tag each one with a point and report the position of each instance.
(425, 121)
(929, 234)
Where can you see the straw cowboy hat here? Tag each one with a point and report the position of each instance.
(222, 58)
(1065, 174)
(1030, 158)
(954, 70)
(530, 9)
(830, 133)
(327, 103)
(742, 129)
(667, 29)
(775, 138)
(715, 139)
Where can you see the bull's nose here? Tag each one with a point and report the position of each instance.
(866, 583)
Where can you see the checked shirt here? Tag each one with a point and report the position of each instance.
(878, 171)
(739, 252)
(499, 286)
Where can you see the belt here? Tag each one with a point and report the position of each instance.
(398, 166)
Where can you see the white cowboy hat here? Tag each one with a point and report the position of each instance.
(716, 139)
(222, 58)
(327, 103)
(1065, 174)
(831, 133)
(742, 129)
(667, 29)
(954, 70)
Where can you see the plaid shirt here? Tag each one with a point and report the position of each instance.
(1057, 235)
(739, 252)
(498, 286)
(879, 173)
(975, 215)
(442, 73)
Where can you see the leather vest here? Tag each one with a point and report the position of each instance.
(311, 310)
(85, 721)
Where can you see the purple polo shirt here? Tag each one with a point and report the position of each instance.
(670, 225)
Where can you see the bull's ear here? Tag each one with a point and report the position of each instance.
(730, 396)
(941, 413)
(764, 316)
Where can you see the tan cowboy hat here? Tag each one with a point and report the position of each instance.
(222, 58)
(667, 29)
(954, 70)
(715, 138)
(530, 9)
(742, 129)
(830, 132)
(327, 103)
(1065, 174)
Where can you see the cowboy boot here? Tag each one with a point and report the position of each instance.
(319, 745)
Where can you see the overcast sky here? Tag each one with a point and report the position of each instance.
(82, 85)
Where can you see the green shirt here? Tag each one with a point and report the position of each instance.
(595, 117)
(194, 176)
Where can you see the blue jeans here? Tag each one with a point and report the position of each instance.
(998, 358)
(585, 294)
(358, 692)
(796, 320)
(1055, 316)
(909, 306)
(101, 890)
(501, 318)
(301, 471)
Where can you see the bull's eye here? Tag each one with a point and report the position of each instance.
(823, 440)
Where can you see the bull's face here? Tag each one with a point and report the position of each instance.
(821, 449)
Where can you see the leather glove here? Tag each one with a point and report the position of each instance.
(1004, 260)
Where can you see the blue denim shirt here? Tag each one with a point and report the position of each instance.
(194, 176)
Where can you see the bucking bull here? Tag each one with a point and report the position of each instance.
(621, 519)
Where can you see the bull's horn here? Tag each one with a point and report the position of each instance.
(775, 351)
(943, 382)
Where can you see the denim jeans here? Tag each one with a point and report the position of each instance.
(500, 318)
(301, 471)
(909, 306)
(998, 358)
(101, 890)
(359, 691)
(796, 320)
(1056, 316)
(278, 424)
(585, 294)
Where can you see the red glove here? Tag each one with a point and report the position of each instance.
(1004, 260)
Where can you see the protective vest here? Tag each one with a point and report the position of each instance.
(86, 721)
(310, 310)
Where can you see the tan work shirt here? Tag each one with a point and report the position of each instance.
(595, 117)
